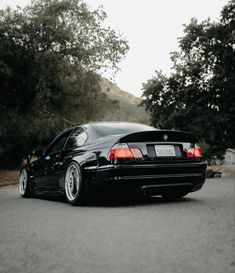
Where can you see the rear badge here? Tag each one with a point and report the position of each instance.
(165, 137)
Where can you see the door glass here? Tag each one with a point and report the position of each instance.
(77, 139)
(58, 145)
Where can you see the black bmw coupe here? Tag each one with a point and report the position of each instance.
(118, 156)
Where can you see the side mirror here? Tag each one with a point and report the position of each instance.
(47, 157)
(38, 152)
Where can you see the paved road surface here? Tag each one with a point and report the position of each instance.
(195, 234)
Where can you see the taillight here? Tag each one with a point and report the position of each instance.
(194, 152)
(121, 150)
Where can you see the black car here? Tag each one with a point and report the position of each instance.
(117, 156)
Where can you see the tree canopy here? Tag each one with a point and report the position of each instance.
(51, 55)
(199, 95)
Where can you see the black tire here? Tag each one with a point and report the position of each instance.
(24, 185)
(75, 187)
(174, 195)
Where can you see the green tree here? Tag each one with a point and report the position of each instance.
(51, 56)
(199, 95)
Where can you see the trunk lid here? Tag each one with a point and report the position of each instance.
(161, 146)
(159, 136)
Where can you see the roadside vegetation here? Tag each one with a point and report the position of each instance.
(52, 54)
(199, 95)
(51, 57)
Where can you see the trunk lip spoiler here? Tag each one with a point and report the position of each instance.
(189, 137)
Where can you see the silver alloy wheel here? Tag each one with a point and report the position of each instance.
(23, 181)
(72, 181)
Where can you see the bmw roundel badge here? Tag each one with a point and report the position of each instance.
(165, 137)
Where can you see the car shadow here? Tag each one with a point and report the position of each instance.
(155, 200)
(53, 198)
(115, 202)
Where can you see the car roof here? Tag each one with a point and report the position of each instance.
(94, 131)
(111, 123)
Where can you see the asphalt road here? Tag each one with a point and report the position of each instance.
(195, 234)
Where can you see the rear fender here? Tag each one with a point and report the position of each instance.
(84, 160)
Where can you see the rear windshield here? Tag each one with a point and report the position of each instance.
(106, 129)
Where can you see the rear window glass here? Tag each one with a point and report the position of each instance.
(77, 139)
(121, 128)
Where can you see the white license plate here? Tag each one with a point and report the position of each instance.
(164, 150)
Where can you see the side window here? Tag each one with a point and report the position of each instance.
(58, 145)
(78, 138)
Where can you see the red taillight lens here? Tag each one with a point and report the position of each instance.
(121, 150)
(194, 152)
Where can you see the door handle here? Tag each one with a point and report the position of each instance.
(60, 163)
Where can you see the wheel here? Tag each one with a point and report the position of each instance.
(24, 186)
(75, 188)
(174, 195)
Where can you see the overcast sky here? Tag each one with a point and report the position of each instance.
(152, 28)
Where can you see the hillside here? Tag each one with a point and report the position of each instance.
(127, 108)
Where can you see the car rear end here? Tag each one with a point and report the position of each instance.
(155, 162)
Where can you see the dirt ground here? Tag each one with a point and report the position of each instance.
(9, 177)
(226, 170)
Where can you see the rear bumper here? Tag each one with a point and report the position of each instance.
(159, 177)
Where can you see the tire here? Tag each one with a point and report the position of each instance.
(75, 187)
(174, 195)
(24, 185)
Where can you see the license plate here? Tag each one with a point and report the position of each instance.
(164, 150)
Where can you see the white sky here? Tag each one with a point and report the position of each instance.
(152, 28)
